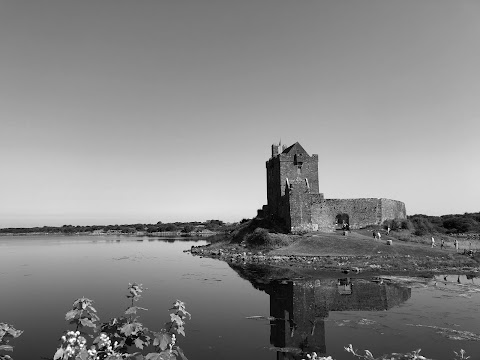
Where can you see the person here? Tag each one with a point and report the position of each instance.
(442, 244)
(456, 245)
(379, 236)
(433, 242)
(374, 235)
(388, 230)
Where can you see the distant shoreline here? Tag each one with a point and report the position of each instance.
(165, 233)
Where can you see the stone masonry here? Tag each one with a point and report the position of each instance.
(293, 196)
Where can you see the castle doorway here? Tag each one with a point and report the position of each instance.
(343, 221)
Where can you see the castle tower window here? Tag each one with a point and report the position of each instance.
(298, 159)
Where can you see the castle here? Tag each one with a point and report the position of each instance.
(293, 197)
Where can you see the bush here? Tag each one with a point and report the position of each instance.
(118, 337)
(458, 225)
(406, 225)
(259, 237)
(393, 224)
(278, 240)
(422, 225)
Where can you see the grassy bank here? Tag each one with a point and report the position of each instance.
(357, 251)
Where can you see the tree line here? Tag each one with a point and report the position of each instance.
(447, 224)
(184, 227)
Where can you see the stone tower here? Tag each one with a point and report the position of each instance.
(291, 172)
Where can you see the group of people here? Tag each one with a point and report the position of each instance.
(442, 244)
(377, 235)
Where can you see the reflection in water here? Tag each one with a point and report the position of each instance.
(298, 308)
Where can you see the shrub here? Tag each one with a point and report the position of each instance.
(422, 225)
(121, 333)
(458, 224)
(406, 225)
(393, 224)
(7, 333)
(259, 237)
(278, 240)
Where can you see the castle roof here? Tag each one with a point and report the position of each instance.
(295, 149)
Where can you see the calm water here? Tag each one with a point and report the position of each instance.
(236, 314)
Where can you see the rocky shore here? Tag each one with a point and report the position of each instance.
(447, 263)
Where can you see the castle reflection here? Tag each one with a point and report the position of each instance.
(298, 308)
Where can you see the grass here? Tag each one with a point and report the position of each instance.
(357, 243)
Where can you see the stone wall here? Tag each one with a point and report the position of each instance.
(273, 186)
(308, 170)
(300, 210)
(393, 209)
(361, 212)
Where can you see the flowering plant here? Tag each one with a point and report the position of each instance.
(7, 333)
(120, 334)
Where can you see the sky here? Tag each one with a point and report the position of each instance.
(116, 111)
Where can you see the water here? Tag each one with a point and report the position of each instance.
(236, 313)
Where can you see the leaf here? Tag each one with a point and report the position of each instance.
(93, 316)
(180, 352)
(6, 347)
(87, 322)
(131, 310)
(164, 355)
(71, 314)
(180, 330)
(129, 329)
(136, 357)
(176, 319)
(113, 357)
(163, 340)
(58, 354)
(82, 355)
(153, 356)
(368, 355)
(139, 343)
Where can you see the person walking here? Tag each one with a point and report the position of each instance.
(442, 244)
(433, 242)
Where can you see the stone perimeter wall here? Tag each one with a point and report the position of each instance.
(361, 212)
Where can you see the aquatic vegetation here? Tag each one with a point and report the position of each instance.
(453, 334)
(119, 335)
(412, 355)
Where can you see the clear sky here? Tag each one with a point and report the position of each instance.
(121, 111)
